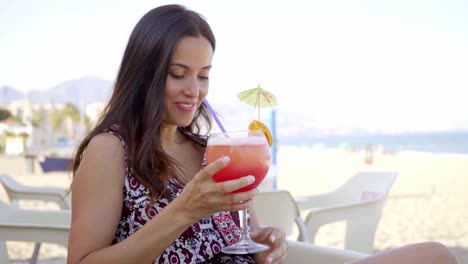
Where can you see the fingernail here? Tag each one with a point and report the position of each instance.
(270, 259)
(273, 238)
(225, 160)
(250, 179)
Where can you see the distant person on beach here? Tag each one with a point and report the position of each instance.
(369, 154)
(141, 192)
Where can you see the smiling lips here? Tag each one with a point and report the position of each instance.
(186, 106)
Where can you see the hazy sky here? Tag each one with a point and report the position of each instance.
(395, 64)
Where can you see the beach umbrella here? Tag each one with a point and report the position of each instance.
(258, 98)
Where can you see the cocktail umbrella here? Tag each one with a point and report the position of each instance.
(258, 97)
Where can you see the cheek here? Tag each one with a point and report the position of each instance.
(204, 91)
(172, 87)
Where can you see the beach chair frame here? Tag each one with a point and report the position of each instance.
(32, 225)
(278, 208)
(16, 191)
(359, 202)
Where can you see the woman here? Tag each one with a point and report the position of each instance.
(139, 195)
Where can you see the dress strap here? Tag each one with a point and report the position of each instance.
(117, 131)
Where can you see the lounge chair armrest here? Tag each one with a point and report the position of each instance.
(314, 201)
(37, 218)
(343, 206)
(17, 191)
(302, 229)
(343, 212)
(34, 225)
(45, 194)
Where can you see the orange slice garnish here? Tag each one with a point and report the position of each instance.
(257, 125)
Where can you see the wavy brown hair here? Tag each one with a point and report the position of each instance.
(137, 102)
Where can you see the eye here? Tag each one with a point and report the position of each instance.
(203, 77)
(176, 76)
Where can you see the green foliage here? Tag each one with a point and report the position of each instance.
(69, 110)
(37, 117)
(5, 114)
(2, 143)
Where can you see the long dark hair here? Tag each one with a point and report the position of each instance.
(137, 101)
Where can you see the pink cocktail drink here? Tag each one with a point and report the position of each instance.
(249, 156)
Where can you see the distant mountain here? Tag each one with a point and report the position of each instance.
(234, 115)
(9, 94)
(79, 92)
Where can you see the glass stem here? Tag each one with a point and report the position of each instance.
(245, 224)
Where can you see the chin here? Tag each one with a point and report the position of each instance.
(183, 122)
(179, 120)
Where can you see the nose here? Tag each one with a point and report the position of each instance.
(192, 88)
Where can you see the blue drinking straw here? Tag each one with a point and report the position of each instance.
(214, 115)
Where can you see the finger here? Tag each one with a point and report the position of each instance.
(213, 167)
(235, 207)
(238, 206)
(277, 236)
(240, 197)
(256, 233)
(232, 185)
(262, 233)
(278, 253)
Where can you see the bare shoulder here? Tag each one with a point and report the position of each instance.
(105, 143)
(97, 194)
(104, 157)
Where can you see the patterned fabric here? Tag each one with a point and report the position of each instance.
(200, 243)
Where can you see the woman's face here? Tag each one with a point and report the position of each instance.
(187, 81)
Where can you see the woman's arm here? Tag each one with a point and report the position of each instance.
(97, 204)
(96, 210)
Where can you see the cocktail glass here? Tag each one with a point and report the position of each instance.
(250, 155)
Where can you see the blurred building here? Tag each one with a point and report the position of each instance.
(36, 125)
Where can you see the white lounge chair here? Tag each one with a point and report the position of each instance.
(32, 225)
(17, 191)
(278, 208)
(358, 202)
(53, 227)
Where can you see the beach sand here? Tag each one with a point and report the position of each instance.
(428, 202)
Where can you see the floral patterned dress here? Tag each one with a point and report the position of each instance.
(200, 243)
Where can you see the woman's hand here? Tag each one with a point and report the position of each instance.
(202, 196)
(273, 237)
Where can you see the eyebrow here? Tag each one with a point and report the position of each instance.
(186, 67)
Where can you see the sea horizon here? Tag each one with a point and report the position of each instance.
(447, 143)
